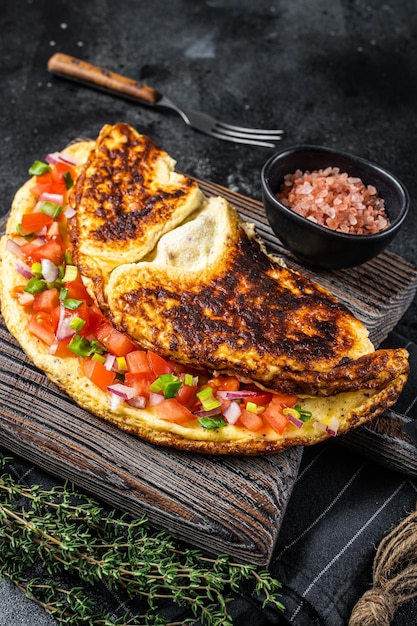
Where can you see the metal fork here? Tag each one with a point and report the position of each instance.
(100, 78)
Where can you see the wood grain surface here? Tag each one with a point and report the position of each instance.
(219, 504)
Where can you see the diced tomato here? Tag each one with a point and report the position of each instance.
(140, 381)
(58, 171)
(273, 412)
(276, 419)
(44, 187)
(224, 383)
(158, 364)
(54, 230)
(32, 222)
(138, 362)
(78, 291)
(186, 394)
(261, 399)
(40, 326)
(116, 342)
(45, 178)
(60, 348)
(250, 420)
(51, 250)
(173, 411)
(47, 300)
(97, 373)
(94, 319)
(284, 400)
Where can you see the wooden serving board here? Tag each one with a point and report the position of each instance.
(219, 504)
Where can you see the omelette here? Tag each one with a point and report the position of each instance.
(169, 319)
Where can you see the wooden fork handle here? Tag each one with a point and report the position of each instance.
(82, 71)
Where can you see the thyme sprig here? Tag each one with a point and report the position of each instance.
(69, 537)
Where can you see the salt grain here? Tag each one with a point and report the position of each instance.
(333, 199)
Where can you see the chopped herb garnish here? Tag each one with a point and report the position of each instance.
(71, 273)
(77, 323)
(168, 383)
(207, 399)
(68, 180)
(72, 303)
(304, 415)
(36, 269)
(81, 346)
(63, 294)
(50, 208)
(35, 285)
(39, 168)
(212, 423)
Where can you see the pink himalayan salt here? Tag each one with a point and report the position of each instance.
(335, 200)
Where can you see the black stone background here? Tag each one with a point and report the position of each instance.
(340, 73)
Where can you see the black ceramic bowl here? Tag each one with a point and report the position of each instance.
(317, 245)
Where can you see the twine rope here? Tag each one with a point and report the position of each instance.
(394, 576)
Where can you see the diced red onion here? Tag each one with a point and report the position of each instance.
(55, 198)
(138, 402)
(155, 399)
(69, 212)
(14, 248)
(232, 413)
(50, 271)
(294, 420)
(64, 330)
(320, 426)
(235, 395)
(23, 269)
(333, 426)
(37, 242)
(211, 413)
(123, 391)
(55, 157)
(109, 362)
(115, 401)
(25, 298)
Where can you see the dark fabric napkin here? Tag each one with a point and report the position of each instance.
(341, 507)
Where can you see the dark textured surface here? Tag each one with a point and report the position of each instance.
(339, 73)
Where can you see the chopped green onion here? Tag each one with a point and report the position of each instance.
(63, 294)
(38, 168)
(168, 383)
(207, 399)
(98, 346)
(77, 323)
(121, 363)
(212, 423)
(72, 303)
(190, 380)
(68, 180)
(35, 285)
(71, 273)
(36, 268)
(61, 272)
(67, 257)
(80, 345)
(50, 208)
(304, 415)
(98, 357)
(254, 408)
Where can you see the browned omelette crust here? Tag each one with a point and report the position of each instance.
(125, 197)
(252, 318)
